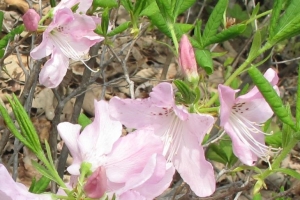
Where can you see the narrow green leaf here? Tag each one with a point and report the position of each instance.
(258, 186)
(256, 44)
(271, 96)
(198, 35)
(40, 186)
(11, 126)
(214, 20)
(105, 21)
(52, 3)
(188, 96)
(1, 19)
(48, 151)
(298, 101)
(105, 3)
(176, 6)
(226, 34)
(204, 60)
(277, 5)
(122, 27)
(2, 51)
(42, 170)
(11, 35)
(127, 5)
(287, 171)
(139, 6)
(83, 120)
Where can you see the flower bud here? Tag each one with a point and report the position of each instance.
(31, 20)
(187, 60)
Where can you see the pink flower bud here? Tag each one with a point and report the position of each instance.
(95, 186)
(187, 59)
(31, 20)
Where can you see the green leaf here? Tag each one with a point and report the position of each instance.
(83, 120)
(26, 125)
(52, 3)
(198, 35)
(1, 19)
(271, 96)
(11, 35)
(40, 186)
(258, 186)
(215, 20)
(2, 51)
(105, 3)
(288, 25)
(222, 152)
(139, 6)
(165, 9)
(127, 5)
(277, 5)
(186, 4)
(42, 170)
(187, 95)
(151, 9)
(105, 21)
(298, 101)
(226, 34)
(176, 5)
(257, 197)
(204, 60)
(256, 44)
(274, 140)
(122, 27)
(11, 126)
(287, 171)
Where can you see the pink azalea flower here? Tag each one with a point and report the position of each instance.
(11, 190)
(83, 6)
(69, 35)
(181, 132)
(31, 20)
(187, 60)
(242, 117)
(121, 166)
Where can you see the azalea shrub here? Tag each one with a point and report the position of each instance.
(183, 135)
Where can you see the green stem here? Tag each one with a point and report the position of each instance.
(173, 35)
(258, 16)
(206, 110)
(237, 72)
(298, 102)
(280, 158)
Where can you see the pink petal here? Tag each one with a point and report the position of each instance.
(10, 190)
(190, 158)
(44, 49)
(132, 195)
(139, 113)
(227, 101)
(96, 184)
(131, 157)
(54, 69)
(70, 133)
(97, 138)
(162, 95)
(240, 149)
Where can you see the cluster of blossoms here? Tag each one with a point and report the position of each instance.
(167, 137)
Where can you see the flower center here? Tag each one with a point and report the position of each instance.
(61, 41)
(172, 137)
(249, 132)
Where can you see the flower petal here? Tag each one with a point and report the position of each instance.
(70, 133)
(162, 95)
(139, 113)
(227, 101)
(97, 138)
(131, 157)
(96, 184)
(10, 190)
(240, 149)
(44, 49)
(54, 69)
(190, 158)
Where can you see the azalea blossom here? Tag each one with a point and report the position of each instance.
(68, 36)
(123, 166)
(31, 20)
(182, 133)
(11, 190)
(242, 118)
(83, 5)
(187, 60)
